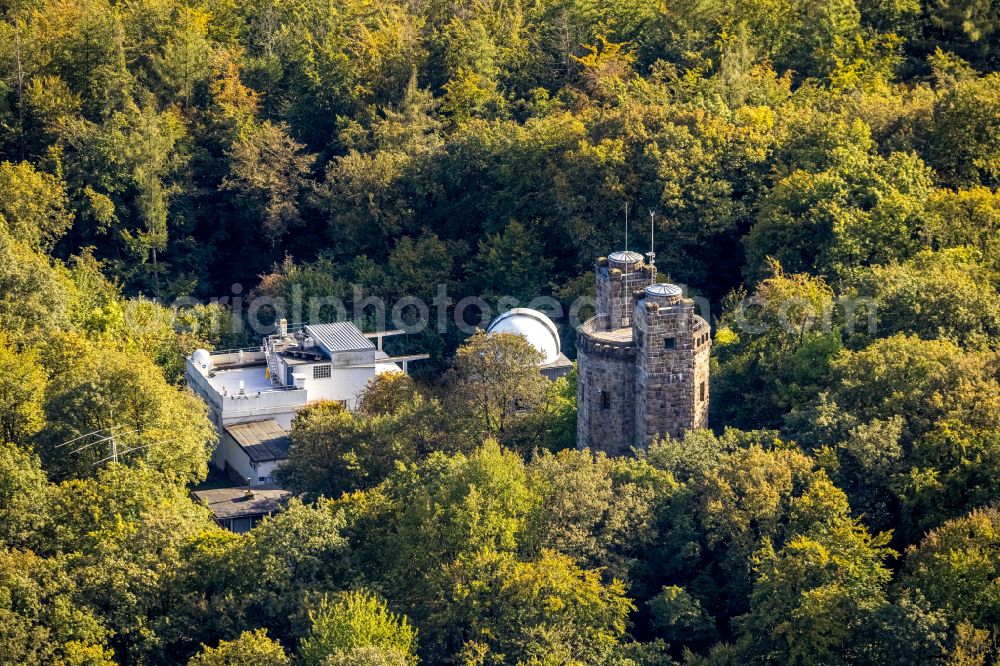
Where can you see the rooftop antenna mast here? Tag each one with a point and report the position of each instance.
(626, 226)
(114, 440)
(114, 456)
(652, 239)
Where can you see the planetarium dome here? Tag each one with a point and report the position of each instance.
(534, 326)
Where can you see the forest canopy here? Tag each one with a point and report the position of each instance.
(843, 509)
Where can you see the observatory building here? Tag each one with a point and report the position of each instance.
(254, 393)
(541, 332)
(642, 360)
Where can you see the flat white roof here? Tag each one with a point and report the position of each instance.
(254, 379)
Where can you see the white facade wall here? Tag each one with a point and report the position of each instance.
(229, 451)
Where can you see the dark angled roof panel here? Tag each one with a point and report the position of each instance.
(227, 503)
(262, 440)
(339, 337)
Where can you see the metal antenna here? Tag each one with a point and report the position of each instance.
(114, 441)
(90, 444)
(110, 438)
(94, 432)
(626, 226)
(114, 456)
(652, 239)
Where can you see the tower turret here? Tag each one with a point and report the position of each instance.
(642, 361)
(618, 276)
(672, 351)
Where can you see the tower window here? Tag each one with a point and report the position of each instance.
(605, 400)
(669, 343)
(701, 391)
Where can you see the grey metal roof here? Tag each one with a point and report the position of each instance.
(262, 440)
(339, 337)
(625, 257)
(238, 503)
(663, 289)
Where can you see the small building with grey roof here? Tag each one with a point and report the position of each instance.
(249, 452)
(239, 509)
(269, 384)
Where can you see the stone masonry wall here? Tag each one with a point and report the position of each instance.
(605, 370)
(668, 381)
(633, 386)
(703, 346)
(615, 288)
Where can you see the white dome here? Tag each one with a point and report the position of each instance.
(202, 360)
(534, 326)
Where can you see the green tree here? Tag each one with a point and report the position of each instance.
(679, 618)
(962, 142)
(335, 450)
(899, 16)
(329, 451)
(289, 559)
(551, 423)
(597, 510)
(512, 264)
(775, 345)
(352, 621)
(425, 516)
(268, 174)
(35, 293)
(81, 43)
(419, 266)
(34, 207)
(506, 611)
(965, 218)
(755, 497)
(812, 596)
(24, 499)
(368, 654)
(952, 468)
(945, 294)
(252, 648)
(494, 378)
(163, 334)
(185, 64)
(124, 168)
(970, 26)
(956, 567)
(154, 422)
(40, 620)
(921, 381)
(22, 389)
(918, 414)
(387, 393)
(126, 528)
(860, 209)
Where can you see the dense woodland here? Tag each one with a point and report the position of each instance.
(842, 511)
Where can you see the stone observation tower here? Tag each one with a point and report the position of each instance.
(643, 360)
